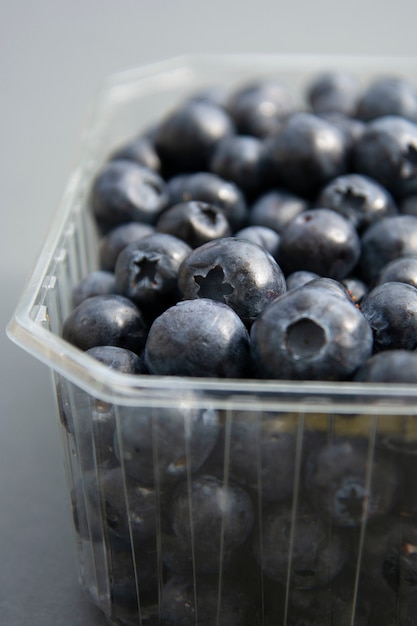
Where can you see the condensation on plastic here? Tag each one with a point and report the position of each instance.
(90, 395)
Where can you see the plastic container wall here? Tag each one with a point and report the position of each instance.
(208, 502)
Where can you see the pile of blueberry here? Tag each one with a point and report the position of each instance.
(245, 237)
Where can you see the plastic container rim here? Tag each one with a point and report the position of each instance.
(100, 381)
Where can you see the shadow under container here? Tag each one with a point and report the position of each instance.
(217, 502)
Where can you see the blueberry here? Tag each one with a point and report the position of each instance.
(403, 270)
(320, 241)
(185, 602)
(333, 92)
(322, 606)
(194, 222)
(310, 333)
(129, 508)
(408, 205)
(147, 270)
(181, 556)
(118, 238)
(333, 286)
(299, 545)
(208, 187)
(118, 359)
(86, 519)
(357, 198)
(140, 150)
(237, 158)
(133, 582)
(390, 556)
(261, 452)
(95, 418)
(211, 514)
(391, 310)
(300, 278)
(356, 287)
(160, 445)
(346, 486)
(213, 94)
(198, 338)
(387, 152)
(259, 107)
(306, 154)
(126, 192)
(388, 95)
(96, 283)
(275, 208)
(110, 320)
(263, 236)
(233, 271)
(387, 239)
(186, 137)
(351, 128)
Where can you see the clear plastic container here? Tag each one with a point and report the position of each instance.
(272, 557)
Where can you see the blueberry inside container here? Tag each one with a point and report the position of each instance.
(222, 501)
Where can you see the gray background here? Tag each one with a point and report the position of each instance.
(52, 56)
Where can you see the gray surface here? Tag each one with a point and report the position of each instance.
(52, 57)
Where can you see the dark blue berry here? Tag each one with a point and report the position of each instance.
(259, 107)
(129, 508)
(263, 236)
(124, 191)
(183, 557)
(194, 222)
(211, 514)
(387, 239)
(387, 152)
(402, 270)
(133, 581)
(198, 337)
(334, 286)
(408, 205)
(147, 270)
(299, 278)
(96, 283)
(110, 320)
(391, 310)
(118, 359)
(312, 556)
(357, 198)
(356, 287)
(185, 603)
(140, 150)
(233, 271)
(388, 95)
(165, 444)
(213, 94)
(320, 241)
(210, 188)
(333, 92)
(237, 158)
(389, 554)
(391, 366)
(346, 486)
(310, 333)
(323, 606)
(306, 154)
(187, 136)
(261, 451)
(118, 238)
(275, 208)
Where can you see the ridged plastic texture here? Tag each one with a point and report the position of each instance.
(275, 552)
